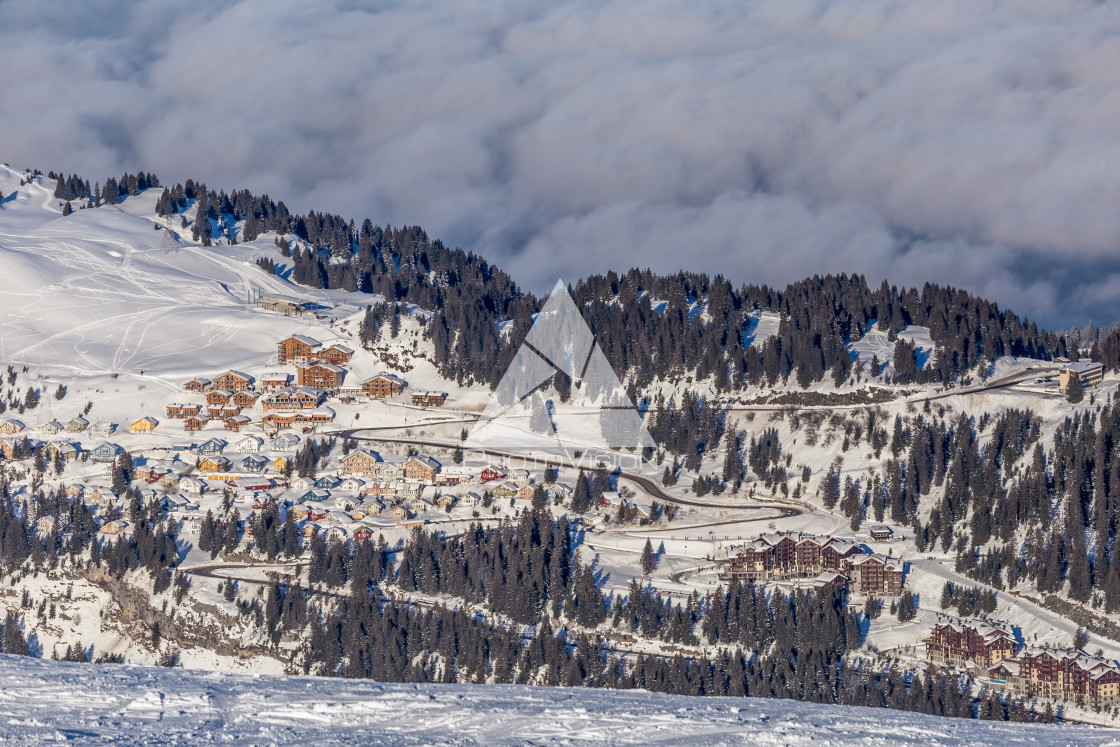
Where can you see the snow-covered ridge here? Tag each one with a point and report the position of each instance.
(95, 292)
(84, 703)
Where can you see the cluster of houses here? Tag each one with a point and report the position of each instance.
(231, 393)
(323, 367)
(788, 556)
(65, 448)
(288, 401)
(390, 475)
(1033, 671)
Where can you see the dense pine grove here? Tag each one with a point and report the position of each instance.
(469, 296)
(1015, 509)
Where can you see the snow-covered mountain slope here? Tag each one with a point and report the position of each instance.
(93, 301)
(94, 291)
(48, 701)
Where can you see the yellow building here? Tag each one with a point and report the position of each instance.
(213, 464)
(1090, 374)
(143, 425)
(280, 464)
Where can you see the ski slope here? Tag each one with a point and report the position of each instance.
(93, 292)
(44, 701)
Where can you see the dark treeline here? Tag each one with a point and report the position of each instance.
(1012, 507)
(73, 187)
(648, 325)
(769, 644)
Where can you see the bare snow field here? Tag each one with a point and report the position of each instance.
(105, 704)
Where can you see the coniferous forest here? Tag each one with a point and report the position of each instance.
(469, 296)
(365, 610)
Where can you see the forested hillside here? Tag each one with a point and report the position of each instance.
(650, 326)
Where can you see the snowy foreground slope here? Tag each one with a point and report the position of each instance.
(46, 701)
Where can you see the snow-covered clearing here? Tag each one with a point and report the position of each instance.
(877, 343)
(83, 703)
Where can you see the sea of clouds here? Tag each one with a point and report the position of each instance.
(971, 142)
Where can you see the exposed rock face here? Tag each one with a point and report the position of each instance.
(191, 624)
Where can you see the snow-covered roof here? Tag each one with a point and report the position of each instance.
(324, 365)
(299, 338)
(387, 376)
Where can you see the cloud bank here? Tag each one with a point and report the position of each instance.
(972, 142)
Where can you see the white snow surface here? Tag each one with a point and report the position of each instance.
(761, 326)
(878, 343)
(46, 701)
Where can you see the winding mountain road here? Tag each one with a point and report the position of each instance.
(647, 484)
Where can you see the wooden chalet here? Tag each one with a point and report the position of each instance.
(364, 463)
(383, 385)
(102, 429)
(63, 450)
(114, 527)
(284, 442)
(254, 463)
(299, 419)
(248, 445)
(198, 385)
(11, 427)
(293, 398)
(338, 355)
(325, 376)
(881, 533)
(244, 398)
(212, 447)
(274, 380)
(233, 381)
(195, 422)
(429, 399)
(181, 411)
(297, 349)
(421, 469)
